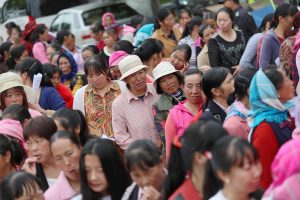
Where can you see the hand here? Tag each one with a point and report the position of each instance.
(37, 107)
(204, 68)
(30, 165)
(150, 193)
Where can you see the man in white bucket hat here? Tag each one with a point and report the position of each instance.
(132, 111)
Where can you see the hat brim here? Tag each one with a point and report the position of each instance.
(132, 71)
(10, 84)
(164, 74)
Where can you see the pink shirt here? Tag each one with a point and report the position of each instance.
(39, 52)
(132, 117)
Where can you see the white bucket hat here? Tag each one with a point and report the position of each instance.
(162, 69)
(129, 65)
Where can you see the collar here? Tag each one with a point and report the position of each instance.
(221, 106)
(162, 34)
(64, 183)
(112, 86)
(130, 96)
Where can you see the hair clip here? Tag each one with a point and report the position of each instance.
(176, 142)
(208, 155)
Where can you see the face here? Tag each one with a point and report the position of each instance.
(94, 173)
(287, 22)
(192, 88)
(32, 193)
(55, 80)
(168, 22)
(45, 36)
(97, 36)
(169, 84)
(64, 65)
(153, 176)
(98, 80)
(178, 59)
(286, 90)
(227, 87)
(115, 71)
(109, 40)
(224, 22)
(137, 81)
(14, 96)
(15, 36)
(66, 155)
(39, 148)
(86, 55)
(207, 34)
(23, 56)
(108, 21)
(228, 3)
(184, 19)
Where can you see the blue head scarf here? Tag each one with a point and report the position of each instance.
(73, 64)
(264, 103)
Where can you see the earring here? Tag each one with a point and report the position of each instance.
(278, 96)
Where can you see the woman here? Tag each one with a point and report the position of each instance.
(190, 37)
(236, 163)
(12, 155)
(95, 100)
(165, 31)
(17, 55)
(39, 39)
(65, 149)
(53, 74)
(16, 36)
(269, 119)
(40, 161)
(185, 17)
(88, 52)
(217, 84)
(145, 164)
(150, 53)
(236, 119)
(180, 116)
(180, 57)
(12, 91)
(167, 82)
(110, 39)
(227, 47)
(285, 172)
(96, 31)
(21, 185)
(72, 121)
(68, 66)
(186, 168)
(113, 63)
(108, 20)
(283, 20)
(206, 31)
(101, 167)
(47, 97)
(4, 55)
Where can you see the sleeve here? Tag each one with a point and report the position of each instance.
(249, 55)
(265, 142)
(213, 52)
(54, 100)
(170, 133)
(39, 52)
(79, 101)
(266, 52)
(122, 136)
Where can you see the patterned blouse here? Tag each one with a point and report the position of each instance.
(98, 109)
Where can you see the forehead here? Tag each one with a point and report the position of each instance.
(223, 15)
(62, 145)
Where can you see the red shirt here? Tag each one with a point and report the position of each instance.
(186, 190)
(66, 94)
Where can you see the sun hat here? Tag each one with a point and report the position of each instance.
(162, 69)
(9, 80)
(116, 57)
(129, 65)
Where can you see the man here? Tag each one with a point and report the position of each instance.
(242, 19)
(132, 111)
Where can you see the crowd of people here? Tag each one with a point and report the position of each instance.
(193, 105)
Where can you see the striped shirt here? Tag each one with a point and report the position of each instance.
(189, 41)
(132, 117)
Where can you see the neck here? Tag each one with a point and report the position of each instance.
(49, 163)
(103, 90)
(138, 93)
(245, 102)
(194, 35)
(221, 101)
(194, 108)
(198, 179)
(279, 30)
(231, 194)
(75, 185)
(227, 33)
(166, 31)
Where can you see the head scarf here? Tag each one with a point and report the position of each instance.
(106, 15)
(73, 64)
(264, 103)
(284, 168)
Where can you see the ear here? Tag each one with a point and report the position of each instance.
(77, 130)
(7, 157)
(24, 76)
(215, 92)
(199, 158)
(223, 177)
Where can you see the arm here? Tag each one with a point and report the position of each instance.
(39, 52)
(249, 56)
(213, 52)
(266, 52)
(170, 133)
(54, 100)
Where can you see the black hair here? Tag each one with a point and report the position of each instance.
(185, 10)
(97, 64)
(91, 48)
(60, 36)
(148, 48)
(17, 152)
(198, 10)
(283, 10)
(227, 11)
(242, 82)
(267, 18)
(16, 112)
(49, 70)
(35, 35)
(124, 45)
(274, 75)
(142, 154)
(65, 135)
(162, 14)
(11, 25)
(113, 166)
(70, 120)
(195, 21)
(97, 27)
(15, 54)
(4, 47)
(199, 137)
(111, 32)
(136, 20)
(202, 28)
(158, 88)
(40, 126)
(32, 66)
(213, 78)
(191, 71)
(186, 49)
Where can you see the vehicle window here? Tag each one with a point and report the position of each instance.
(13, 8)
(119, 10)
(56, 24)
(67, 22)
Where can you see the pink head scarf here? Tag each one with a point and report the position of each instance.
(285, 165)
(104, 17)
